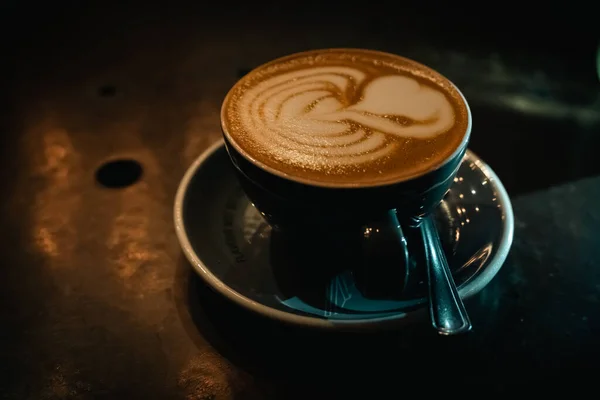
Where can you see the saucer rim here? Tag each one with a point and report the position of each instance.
(468, 290)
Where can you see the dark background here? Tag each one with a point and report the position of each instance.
(96, 298)
(512, 60)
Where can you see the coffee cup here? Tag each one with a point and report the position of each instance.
(340, 143)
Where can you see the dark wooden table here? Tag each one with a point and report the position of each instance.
(97, 300)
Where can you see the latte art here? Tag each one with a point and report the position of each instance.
(310, 117)
(332, 117)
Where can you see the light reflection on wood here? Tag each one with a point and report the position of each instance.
(136, 238)
(58, 164)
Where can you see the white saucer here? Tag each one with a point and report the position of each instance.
(236, 253)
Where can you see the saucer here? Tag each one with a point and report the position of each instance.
(237, 254)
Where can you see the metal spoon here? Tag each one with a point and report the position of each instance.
(446, 309)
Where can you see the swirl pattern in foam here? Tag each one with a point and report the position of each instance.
(344, 116)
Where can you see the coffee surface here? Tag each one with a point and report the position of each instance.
(345, 117)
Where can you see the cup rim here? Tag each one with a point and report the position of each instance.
(347, 185)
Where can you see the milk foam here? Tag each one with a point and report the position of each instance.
(321, 117)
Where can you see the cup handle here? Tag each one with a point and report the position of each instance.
(446, 308)
(385, 269)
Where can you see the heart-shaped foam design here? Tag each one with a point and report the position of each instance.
(398, 96)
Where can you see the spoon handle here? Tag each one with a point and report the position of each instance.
(447, 311)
